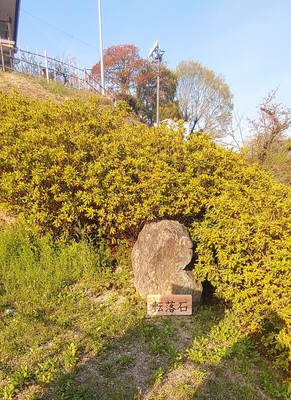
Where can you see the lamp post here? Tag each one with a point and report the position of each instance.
(156, 53)
(101, 47)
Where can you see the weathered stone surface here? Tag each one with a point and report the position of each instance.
(159, 257)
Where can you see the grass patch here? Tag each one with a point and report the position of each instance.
(72, 327)
(58, 89)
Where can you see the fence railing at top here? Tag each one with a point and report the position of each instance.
(52, 69)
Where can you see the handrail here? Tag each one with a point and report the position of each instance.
(53, 69)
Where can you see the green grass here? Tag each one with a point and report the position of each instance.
(72, 327)
(62, 91)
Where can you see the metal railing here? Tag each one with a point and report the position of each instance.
(52, 69)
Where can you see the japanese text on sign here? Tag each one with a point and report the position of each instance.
(174, 304)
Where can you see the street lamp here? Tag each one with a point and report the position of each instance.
(156, 53)
(101, 47)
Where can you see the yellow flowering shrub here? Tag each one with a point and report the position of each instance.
(82, 168)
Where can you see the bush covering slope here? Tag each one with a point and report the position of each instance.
(81, 168)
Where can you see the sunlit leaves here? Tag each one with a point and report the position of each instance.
(244, 247)
(78, 167)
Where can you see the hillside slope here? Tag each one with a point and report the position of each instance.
(72, 325)
(39, 88)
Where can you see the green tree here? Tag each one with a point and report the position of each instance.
(134, 80)
(204, 98)
(146, 92)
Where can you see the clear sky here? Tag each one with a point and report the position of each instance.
(245, 41)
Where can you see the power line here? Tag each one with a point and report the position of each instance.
(59, 30)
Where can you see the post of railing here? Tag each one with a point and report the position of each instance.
(55, 72)
(30, 65)
(78, 74)
(2, 57)
(37, 59)
(85, 79)
(69, 73)
(20, 58)
(46, 67)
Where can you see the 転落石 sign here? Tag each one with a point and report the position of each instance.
(172, 304)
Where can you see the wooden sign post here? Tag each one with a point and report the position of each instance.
(172, 304)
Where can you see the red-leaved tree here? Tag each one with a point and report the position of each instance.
(122, 64)
(134, 79)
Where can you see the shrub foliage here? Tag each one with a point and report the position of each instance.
(80, 168)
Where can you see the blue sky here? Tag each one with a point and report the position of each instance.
(245, 41)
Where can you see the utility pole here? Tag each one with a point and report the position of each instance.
(158, 93)
(156, 53)
(101, 47)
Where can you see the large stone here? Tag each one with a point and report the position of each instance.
(159, 257)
